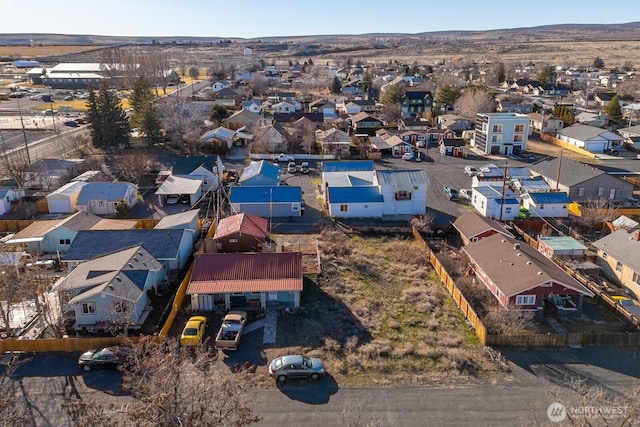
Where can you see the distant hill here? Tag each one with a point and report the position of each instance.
(565, 32)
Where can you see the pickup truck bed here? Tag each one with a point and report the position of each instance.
(228, 336)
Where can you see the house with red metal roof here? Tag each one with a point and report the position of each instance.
(246, 280)
(241, 233)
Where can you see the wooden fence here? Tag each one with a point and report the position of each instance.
(13, 226)
(59, 344)
(547, 137)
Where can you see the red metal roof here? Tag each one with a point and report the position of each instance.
(252, 225)
(246, 272)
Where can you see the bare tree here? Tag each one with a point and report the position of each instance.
(259, 84)
(423, 223)
(16, 167)
(509, 321)
(132, 165)
(181, 120)
(391, 113)
(174, 386)
(473, 101)
(14, 407)
(596, 211)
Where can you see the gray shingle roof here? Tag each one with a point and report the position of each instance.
(571, 172)
(623, 247)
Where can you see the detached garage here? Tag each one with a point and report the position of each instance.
(64, 199)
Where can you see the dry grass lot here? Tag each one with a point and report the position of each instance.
(377, 314)
(30, 52)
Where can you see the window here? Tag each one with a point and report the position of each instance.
(403, 195)
(88, 308)
(496, 138)
(519, 128)
(497, 128)
(344, 208)
(542, 206)
(581, 191)
(604, 255)
(507, 210)
(619, 267)
(65, 241)
(101, 203)
(600, 191)
(119, 307)
(233, 240)
(525, 299)
(518, 138)
(636, 278)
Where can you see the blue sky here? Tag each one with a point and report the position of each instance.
(262, 18)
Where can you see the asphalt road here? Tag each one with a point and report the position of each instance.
(520, 398)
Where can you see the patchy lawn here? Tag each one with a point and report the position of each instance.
(377, 314)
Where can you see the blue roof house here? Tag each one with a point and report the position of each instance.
(260, 174)
(544, 205)
(492, 202)
(267, 201)
(355, 202)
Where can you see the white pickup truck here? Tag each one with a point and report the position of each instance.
(282, 157)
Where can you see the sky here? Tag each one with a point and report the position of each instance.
(264, 18)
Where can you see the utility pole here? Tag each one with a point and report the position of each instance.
(24, 133)
(504, 188)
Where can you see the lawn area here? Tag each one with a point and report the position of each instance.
(378, 314)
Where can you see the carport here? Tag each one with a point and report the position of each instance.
(179, 186)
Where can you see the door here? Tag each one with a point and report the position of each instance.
(273, 296)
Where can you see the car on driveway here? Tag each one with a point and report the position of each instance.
(470, 170)
(193, 331)
(107, 357)
(450, 193)
(465, 193)
(408, 155)
(71, 123)
(296, 366)
(291, 167)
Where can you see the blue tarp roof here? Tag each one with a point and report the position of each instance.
(350, 166)
(355, 195)
(270, 194)
(550, 198)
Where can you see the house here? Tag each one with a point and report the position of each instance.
(258, 280)
(364, 123)
(56, 235)
(8, 195)
(597, 120)
(241, 233)
(590, 138)
(617, 255)
(494, 201)
(473, 227)
(454, 122)
(333, 141)
(179, 189)
(222, 84)
(261, 173)
(415, 138)
(204, 168)
(631, 135)
(565, 247)
(581, 182)
(102, 198)
(284, 107)
(219, 137)
(325, 106)
(270, 138)
(357, 201)
(541, 123)
(521, 278)
(604, 98)
(110, 292)
(251, 105)
(188, 220)
(530, 185)
(171, 247)
(416, 102)
(64, 199)
(414, 123)
(243, 118)
(501, 133)
(544, 205)
(49, 174)
(268, 202)
(452, 147)
(404, 192)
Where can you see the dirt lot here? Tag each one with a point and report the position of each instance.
(378, 315)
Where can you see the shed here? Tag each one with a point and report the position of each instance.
(561, 247)
(64, 199)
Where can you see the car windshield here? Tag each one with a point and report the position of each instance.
(191, 332)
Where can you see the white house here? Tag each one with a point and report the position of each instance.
(501, 133)
(489, 200)
(284, 107)
(593, 139)
(64, 199)
(111, 291)
(7, 196)
(544, 205)
(404, 191)
(101, 198)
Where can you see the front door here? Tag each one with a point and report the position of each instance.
(273, 296)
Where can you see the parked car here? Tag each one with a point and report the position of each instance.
(450, 193)
(107, 357)
(68, 98)
(193, 331)
(80, 121)
(291, 167)
(408, 155)
(296, 366)
(470, 170)
(172, 200)
(282, 157)
(304, 167)
(465, 193)
(36, 97)
(71, 123)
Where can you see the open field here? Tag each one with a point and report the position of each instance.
(35, 52)
(377, 314)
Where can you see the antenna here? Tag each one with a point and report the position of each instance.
(504, 187)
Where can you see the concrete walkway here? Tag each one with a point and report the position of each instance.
(270, 325)
(557, 326)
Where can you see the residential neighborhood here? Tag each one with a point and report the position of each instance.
(432, 217)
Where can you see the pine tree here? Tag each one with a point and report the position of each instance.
(145, 115)
(336, 85)
(613, 110)
(393, 95)
(109, 124)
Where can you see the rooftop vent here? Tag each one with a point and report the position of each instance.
(540, 273)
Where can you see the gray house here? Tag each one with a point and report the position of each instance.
(101, 198)
(581, 181)
(111, 291)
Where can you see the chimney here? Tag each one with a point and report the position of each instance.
(636, 236)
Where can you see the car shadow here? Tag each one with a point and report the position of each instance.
(106, 380)
(316, 392)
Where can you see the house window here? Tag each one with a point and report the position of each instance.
(619, 267)
(581, 191)
(542, 206)
(518, 138)
(88, 308)
(496, 138)
(604, 255)
(403, 195)
(119, 307)
(525, 299)
(519, 128)
(600, 191)
(636, 278)
(65, 241)
(344, 208)
(497, 128)
(233, 240)
(507, 210)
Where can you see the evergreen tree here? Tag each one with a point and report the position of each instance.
(145, 115)
(366, 83)
(109, 124)
(613, 110)
(218, 113)
(447, 96)
(393, 95)
(546, 75)
(598, 63)
(336, 85)
(501, 74)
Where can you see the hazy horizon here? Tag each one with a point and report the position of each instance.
(200, 18)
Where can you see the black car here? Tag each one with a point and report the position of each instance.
(72, 123)
(108, 357)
